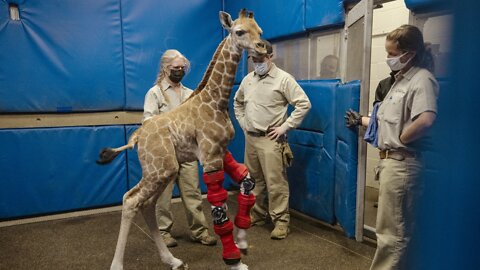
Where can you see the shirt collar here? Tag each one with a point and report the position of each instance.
(164, 85)
(407, 75)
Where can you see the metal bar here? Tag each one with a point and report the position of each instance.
(364, 101)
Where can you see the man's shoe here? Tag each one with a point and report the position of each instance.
(280, 232)
(169, 240)
(205, 239)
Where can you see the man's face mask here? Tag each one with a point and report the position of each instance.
(261, 68)
(176, 75)
(395, 64)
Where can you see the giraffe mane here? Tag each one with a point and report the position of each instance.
(208, 73)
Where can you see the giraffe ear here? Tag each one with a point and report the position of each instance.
(226, 20)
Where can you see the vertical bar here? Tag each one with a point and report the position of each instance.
(364, 96)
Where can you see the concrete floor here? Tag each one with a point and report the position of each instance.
(88, 242)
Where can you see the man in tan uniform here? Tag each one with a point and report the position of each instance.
(167, 94)
(260, 105)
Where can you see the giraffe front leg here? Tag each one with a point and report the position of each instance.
(148, 212)
(239, 173)
(128, 213)
(222, 226)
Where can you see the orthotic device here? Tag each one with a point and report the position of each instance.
(217, 197)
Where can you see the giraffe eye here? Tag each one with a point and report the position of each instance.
(240, 33)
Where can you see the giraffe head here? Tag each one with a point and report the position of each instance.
(244, 31)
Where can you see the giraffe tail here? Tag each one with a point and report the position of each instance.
(108, 154)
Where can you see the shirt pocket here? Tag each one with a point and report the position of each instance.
(394, 104)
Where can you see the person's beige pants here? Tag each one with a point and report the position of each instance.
(264, 160)
(400, 188)
(188, 184)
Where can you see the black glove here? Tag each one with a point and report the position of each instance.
(353, 118)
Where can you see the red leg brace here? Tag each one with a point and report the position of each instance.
(245, 203)
(217, 196)
(237, 171)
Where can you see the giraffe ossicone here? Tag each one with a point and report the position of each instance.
(199, 129)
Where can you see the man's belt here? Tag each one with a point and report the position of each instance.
(257, 133)
(397, 154)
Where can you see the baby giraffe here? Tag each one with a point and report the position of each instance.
(199, 129)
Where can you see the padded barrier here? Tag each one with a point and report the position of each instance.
(50, 170)
(281, 18)
(286, 18)
(150, 28)
(311, 176)
(321, 14)
(347, 96)
(422, 6)
(323, 175)
(56, 60)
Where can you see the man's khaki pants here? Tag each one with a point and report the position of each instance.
(264, 160)
(188, 184)
(400, 188)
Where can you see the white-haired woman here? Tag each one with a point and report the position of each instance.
(168, 93)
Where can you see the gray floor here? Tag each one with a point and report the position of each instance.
(88, 242)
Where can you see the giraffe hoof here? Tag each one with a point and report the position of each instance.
(183, 266)
(244, 251)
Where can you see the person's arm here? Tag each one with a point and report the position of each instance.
(150, 106)
(365, 121)
(239, 106)
(418, 128)
(299, 100)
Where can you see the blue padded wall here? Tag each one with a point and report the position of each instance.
(58, 61)
(150, 28)
(311, 177)
(276, 18)
(55, 60)
(346, 96)
(420, 6)
(50, 170)
(324, 13)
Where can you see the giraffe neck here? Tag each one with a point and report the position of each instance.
(220, 82)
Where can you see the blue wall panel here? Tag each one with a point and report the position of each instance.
(53, 170)
(347, 96)
(320, 117)
(420, 6)
(276, 18)
(56, 60)
(151, 27)
(323, 13)
(312, 175)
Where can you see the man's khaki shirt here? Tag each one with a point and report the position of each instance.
(262, 102)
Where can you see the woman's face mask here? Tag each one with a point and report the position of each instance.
(176, 75)
(261, 68)
(395, 64)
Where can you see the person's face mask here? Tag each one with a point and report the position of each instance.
(261, 68)
(176, 75)
(395, 64)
